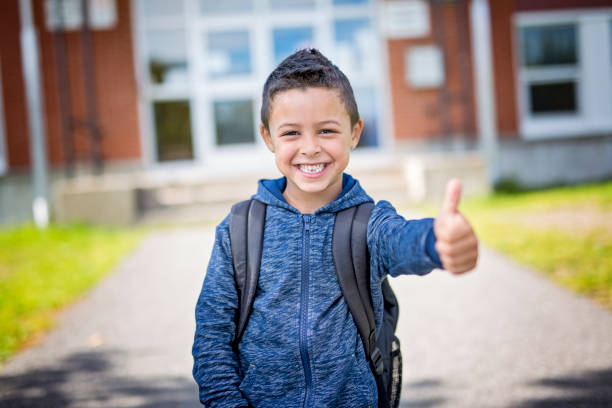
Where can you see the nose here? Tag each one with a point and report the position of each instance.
(310, 145)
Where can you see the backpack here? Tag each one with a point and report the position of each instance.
(351, 260)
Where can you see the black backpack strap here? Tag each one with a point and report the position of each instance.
(361, 259)
(361, 263)
(247, 220)
(351, 259)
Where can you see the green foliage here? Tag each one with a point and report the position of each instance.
(509, 185)
(43, 270)
(564, 232)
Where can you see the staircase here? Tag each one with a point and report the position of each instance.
(210, 201)
(185, 203)
(204, 197)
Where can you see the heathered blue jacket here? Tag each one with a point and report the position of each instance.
(301, 347)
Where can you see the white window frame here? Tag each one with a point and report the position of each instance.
(150, 93)
(593, 75)
(202, 91)
(3, 156)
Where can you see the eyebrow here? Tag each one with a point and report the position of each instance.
(288, 125)
(335, 122)
(323, 122)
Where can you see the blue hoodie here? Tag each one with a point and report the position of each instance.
(301, 347)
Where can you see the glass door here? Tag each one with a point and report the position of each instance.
(166, 79)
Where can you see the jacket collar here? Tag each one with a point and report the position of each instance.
(270, 192)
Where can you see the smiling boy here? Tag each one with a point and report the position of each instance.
(301, 347)
(311, 135)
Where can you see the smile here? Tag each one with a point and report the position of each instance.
(312, 169)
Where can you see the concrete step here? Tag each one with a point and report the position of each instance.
(383, 181)
(179, 195)
(125, 198)
(211, 201)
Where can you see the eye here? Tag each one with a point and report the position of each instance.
(289, 133)
(328, 131)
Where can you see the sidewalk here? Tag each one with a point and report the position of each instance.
(502, 336)
(499, 337)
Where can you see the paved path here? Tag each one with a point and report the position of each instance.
(499, 337)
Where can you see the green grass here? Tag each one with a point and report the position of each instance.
(574, 252)
(597, 195)
(44, 270)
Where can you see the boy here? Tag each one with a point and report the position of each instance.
(301, 347)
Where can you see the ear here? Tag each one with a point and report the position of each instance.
(356, 133)
(267, 138)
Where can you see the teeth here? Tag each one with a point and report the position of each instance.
(312, 168)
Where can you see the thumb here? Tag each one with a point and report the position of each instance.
(452, 196)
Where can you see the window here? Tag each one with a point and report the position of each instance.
(225, 6)
(353, 39)
(291, 4)
(549, 45)
(228, 53)
(557, 97)
(550, 69)
(349, 2)
(173, 130)
(204, 63)
(289, 40)
(161, 8)
(234, 122)
(366, 101)
(424, 67)
(564, 72)
(163, 35)
(167, 56)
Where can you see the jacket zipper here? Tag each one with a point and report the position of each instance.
(304, 309)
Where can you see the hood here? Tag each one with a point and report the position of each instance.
(270, 192)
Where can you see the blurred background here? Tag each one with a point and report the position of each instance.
(154, 92)
(120, 118)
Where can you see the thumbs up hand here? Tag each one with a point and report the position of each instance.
(456, 242)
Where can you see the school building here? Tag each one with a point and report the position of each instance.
(174, 87)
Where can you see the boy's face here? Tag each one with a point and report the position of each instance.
(311, 136)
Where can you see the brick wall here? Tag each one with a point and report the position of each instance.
(448, 111)
(114, 80)
(13, 92)
(529, 5)
(115, 86)
(503, 67)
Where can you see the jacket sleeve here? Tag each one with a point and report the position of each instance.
(398, 246)
(216, 369)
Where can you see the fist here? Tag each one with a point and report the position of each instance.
(456, 242)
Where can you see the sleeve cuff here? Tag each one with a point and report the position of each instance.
(430, 247)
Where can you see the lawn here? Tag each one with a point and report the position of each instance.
(44, 270)
(566, 233)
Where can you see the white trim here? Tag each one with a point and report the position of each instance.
(597, 70)
(34, 96)
(592, 74)
(385, 112)
(484, 84)
(146, 151)
(3, 155)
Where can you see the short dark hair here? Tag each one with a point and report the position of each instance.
(304, 69)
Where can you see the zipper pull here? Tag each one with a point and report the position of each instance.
(306, 219)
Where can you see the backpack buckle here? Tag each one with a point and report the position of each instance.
(377, 361)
